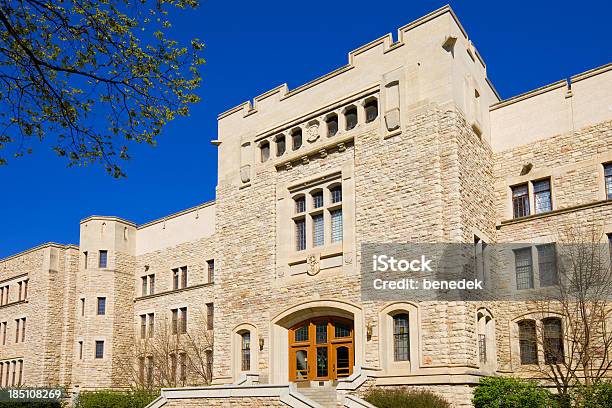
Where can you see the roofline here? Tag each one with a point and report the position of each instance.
(177, 214)
(39, 247)
(555, 85)
(529, 94)
(385, 40)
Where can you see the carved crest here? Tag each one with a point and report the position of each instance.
(313, 264)
(312, 132)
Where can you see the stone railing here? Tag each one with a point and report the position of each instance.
(261, 395)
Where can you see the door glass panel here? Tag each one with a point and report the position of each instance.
(342, 361)
(341, 331)
(322, 333)
(301, 334)
(301, 364)
(322, 362)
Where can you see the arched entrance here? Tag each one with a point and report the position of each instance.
(321, 348)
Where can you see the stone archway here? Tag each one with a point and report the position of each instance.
(314, 310)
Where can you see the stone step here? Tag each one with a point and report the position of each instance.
(325, 396)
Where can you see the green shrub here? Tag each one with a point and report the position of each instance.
(596, 396)
(507, 392)
(402, 398)
(114, 399)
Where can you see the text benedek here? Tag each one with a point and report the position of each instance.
(384, 263)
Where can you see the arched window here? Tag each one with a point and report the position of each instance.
(336, 194)
(371, 110)
(528, 342)
(245, 351)
(264, 149)
(300, 204)
(332, 124)
(317, 199)
(485, 331)
(350, 116)
(401, 337)
(280, 145)
(296, 138)
(553, 340)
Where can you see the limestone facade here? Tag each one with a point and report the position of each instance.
(420, 146)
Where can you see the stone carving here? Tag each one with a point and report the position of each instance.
(313, 263)
(312, 132)
(245, 173)
(392, 119)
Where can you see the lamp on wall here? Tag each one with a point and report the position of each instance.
(369, 330)
(261, 342)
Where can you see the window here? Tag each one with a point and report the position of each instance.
(300, 204)
(210, 315)
(173, 366)
(520, 201)
(4, 324)
(336, 194)
(143, 326)
(542, 198)
(401, 340)
(183, 326)
(482, 348)
(150, 367)
(175, 321)
(101, 306)
(99, 349)
(80, 350)
(209, 363)
(23, 329)
(141, 368)
(547, 264)
(608, 180)
(264, 149)
(17, 322)
(85, 259)
(332, 125)
(82, 306)
(175, 278)
(318, 230)
(296, 139)
(184, 276)
(211, 270)
(179, 277)
(527, 342)
(14, 363)
(350, 116)
(151, 317)
(25, 289)
(148, 284)
(103, 259)
(317, 199)
(336, 225)
(300, 234)
(371, 110)
(19, 294)
(553, 340)
(524, 269)
(280, 145)
(245, 350)
(183, 363)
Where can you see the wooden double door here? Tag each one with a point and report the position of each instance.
(321, 349)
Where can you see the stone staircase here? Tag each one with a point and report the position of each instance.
(326, 396)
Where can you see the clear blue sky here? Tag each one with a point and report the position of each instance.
(256, 45)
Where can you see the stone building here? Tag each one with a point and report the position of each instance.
(409, 142)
